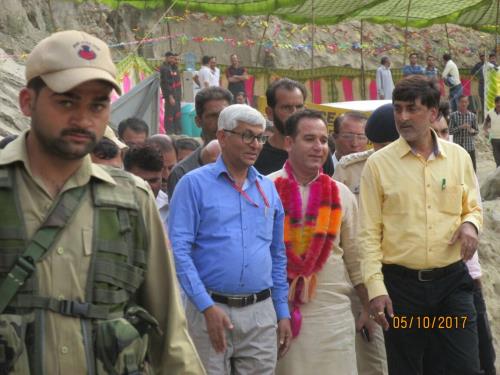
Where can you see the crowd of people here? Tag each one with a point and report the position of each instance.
(260, 250)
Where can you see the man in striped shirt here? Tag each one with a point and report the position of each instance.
(463, 127)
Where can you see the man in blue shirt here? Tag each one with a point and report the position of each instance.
(413, 68)
(226, 229)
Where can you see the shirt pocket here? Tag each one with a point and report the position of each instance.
(450, 200)
(264, 223)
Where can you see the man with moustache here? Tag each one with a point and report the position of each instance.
(83, 287)
(226, 229)
(284, 97)
(209, 102)
(420, 220)
(349, 135)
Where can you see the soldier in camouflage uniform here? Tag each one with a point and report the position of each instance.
(380, 130)
(84, 287)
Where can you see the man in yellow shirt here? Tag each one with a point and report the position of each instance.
(420, 219)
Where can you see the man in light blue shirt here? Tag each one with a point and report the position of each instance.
(413, 68)
(226, 230)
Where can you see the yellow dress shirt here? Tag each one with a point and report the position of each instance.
(410, 207)
(62, 272)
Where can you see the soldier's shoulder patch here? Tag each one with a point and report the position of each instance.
(357, 157)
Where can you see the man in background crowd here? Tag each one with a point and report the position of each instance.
(108, 150)
(171, 89)
(492, 129)
(477, 71)
(385, 84)
(413, 67)
(349, 135)
(236, 76)
(209, 103)
(133, 131)
(284, 97)
(463, 127)
(451, 77)
(430, 70)
(185, 146)
(145, 161)
(209, 74)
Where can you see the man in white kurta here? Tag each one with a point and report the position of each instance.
(325, 343)
(384, 81)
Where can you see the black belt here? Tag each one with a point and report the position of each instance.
(241, 301)
(423, 275)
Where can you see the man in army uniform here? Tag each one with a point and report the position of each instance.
(380, 130)
(84, 287)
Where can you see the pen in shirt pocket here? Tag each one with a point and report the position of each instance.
(443, 184)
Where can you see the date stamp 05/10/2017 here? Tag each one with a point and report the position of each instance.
(428, 322)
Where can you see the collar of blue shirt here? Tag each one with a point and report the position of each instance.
(220, 168)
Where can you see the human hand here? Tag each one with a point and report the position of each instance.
(284, 337)
(217, 322)
(468, 237)
(378, 307)
(171, 100)
(365, 322)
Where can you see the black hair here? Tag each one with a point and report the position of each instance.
(447, 56)
(384, 59)
(205, 59)
(411, 88)
(106, 149)
(285, 84)
(292, 123)
(135, 124)
(211, 93)
(143, 156)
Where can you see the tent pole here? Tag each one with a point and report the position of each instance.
(496, 26)
(447, 37)
(313, 32)
(406, 33)
(363, 86)
(261, 40)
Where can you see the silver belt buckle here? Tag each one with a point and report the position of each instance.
(421, 277)
(234, 301)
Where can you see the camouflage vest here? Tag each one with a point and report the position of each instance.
(113, 344)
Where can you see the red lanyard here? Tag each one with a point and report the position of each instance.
(246, 196)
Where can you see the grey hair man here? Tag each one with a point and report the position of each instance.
(226, 228)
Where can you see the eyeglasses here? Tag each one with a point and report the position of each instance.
(351, 136)
(248, 137)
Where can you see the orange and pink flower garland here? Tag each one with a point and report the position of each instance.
(308, 242)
